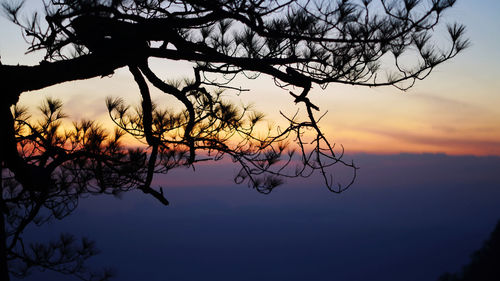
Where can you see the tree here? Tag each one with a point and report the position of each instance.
(484, 262)
(299, 44)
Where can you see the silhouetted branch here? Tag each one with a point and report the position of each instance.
(299, 44)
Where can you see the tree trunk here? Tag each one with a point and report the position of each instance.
(4, 270)
(4, 125)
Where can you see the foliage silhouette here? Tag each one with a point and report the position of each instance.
(297, 43)
(484, 262)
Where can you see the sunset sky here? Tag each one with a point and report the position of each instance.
(412, 214)
(454, 111)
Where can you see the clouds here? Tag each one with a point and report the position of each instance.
(445, 141)
(402, 211)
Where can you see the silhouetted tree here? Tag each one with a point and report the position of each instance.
(297, 43)
(485, 262)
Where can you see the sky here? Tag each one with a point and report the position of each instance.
(454, 111)
(418, 208)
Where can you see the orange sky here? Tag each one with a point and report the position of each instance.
(454, 111)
